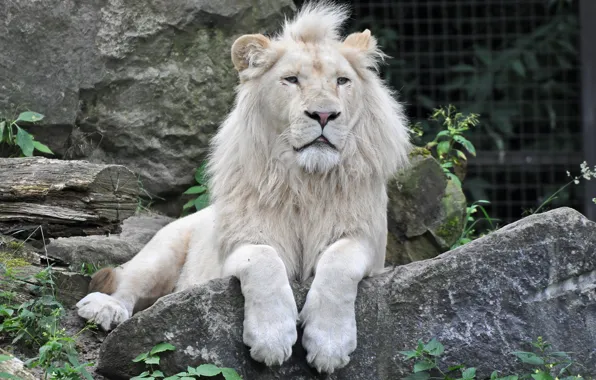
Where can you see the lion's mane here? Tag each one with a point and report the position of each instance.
(259, 199)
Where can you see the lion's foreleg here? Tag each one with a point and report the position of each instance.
(269, 307)
(328, 315)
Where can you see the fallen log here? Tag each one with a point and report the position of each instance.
(65, 198)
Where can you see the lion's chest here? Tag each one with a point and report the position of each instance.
(306, 232)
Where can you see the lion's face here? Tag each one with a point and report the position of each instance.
(312, 91)
(317, 104)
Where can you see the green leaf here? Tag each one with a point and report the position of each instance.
(469, 373)
(141, 357)
(528, 357)
(443, 148)
(560, 354)
(483, 54)
(423, 366)
(455, 367)
(418, 376)
(4, 358)
(25, 142)
(200, 176)
(207, 370)
(152, 360)
(196, 190)
(157, 374)
(2, 129)
(141, 376)
(29, 116)
(434, 348)
(441, 134)
(519, 68)
(461, 154)
(230, 374)
(41, 147)
(409, 354)
(542, 376)
(4, 375)
(466, 143)
(188, 204)
(531, 61)
(161, 347)
(454, 178)
(202, 201)
(463, 68)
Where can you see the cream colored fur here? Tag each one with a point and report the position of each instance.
(279, 212)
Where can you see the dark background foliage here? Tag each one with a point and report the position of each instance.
(516, 63)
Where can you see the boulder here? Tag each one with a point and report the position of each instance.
(134, 82)
(426, 212)
(535, 277)
(108, 250)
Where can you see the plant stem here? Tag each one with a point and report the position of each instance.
(549, 199)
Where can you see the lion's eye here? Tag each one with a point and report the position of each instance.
(342, 80)
(292, 79)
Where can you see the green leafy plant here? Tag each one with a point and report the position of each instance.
(510, 73)
(151, 360)
(34, 320)
(546, 364)
(449, 147)
(426, 357)
(469, 232)
(89, 269)
(36, 324)
(200, 191)
(12, 134)
(449, 144)
(59, 358)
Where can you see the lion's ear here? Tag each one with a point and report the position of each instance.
(247, 49)
(362, 51)
(361, 41)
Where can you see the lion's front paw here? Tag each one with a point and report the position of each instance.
(270, 327)
(329, 335)
(102, 309)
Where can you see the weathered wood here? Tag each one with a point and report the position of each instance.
(66, 198)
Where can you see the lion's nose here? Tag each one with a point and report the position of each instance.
(322, 117)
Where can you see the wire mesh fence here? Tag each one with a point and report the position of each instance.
(516, 64)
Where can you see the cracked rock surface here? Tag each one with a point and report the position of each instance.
(535, 277)
(143, 83)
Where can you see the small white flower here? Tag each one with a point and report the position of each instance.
(568, 174)
(576, 181)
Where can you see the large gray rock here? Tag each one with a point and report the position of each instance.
(536, 277)
(141, 83)
(108, 250)
(426, 212)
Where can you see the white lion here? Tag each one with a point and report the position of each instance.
(298, 176)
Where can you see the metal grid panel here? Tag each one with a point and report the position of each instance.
(524, 155)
